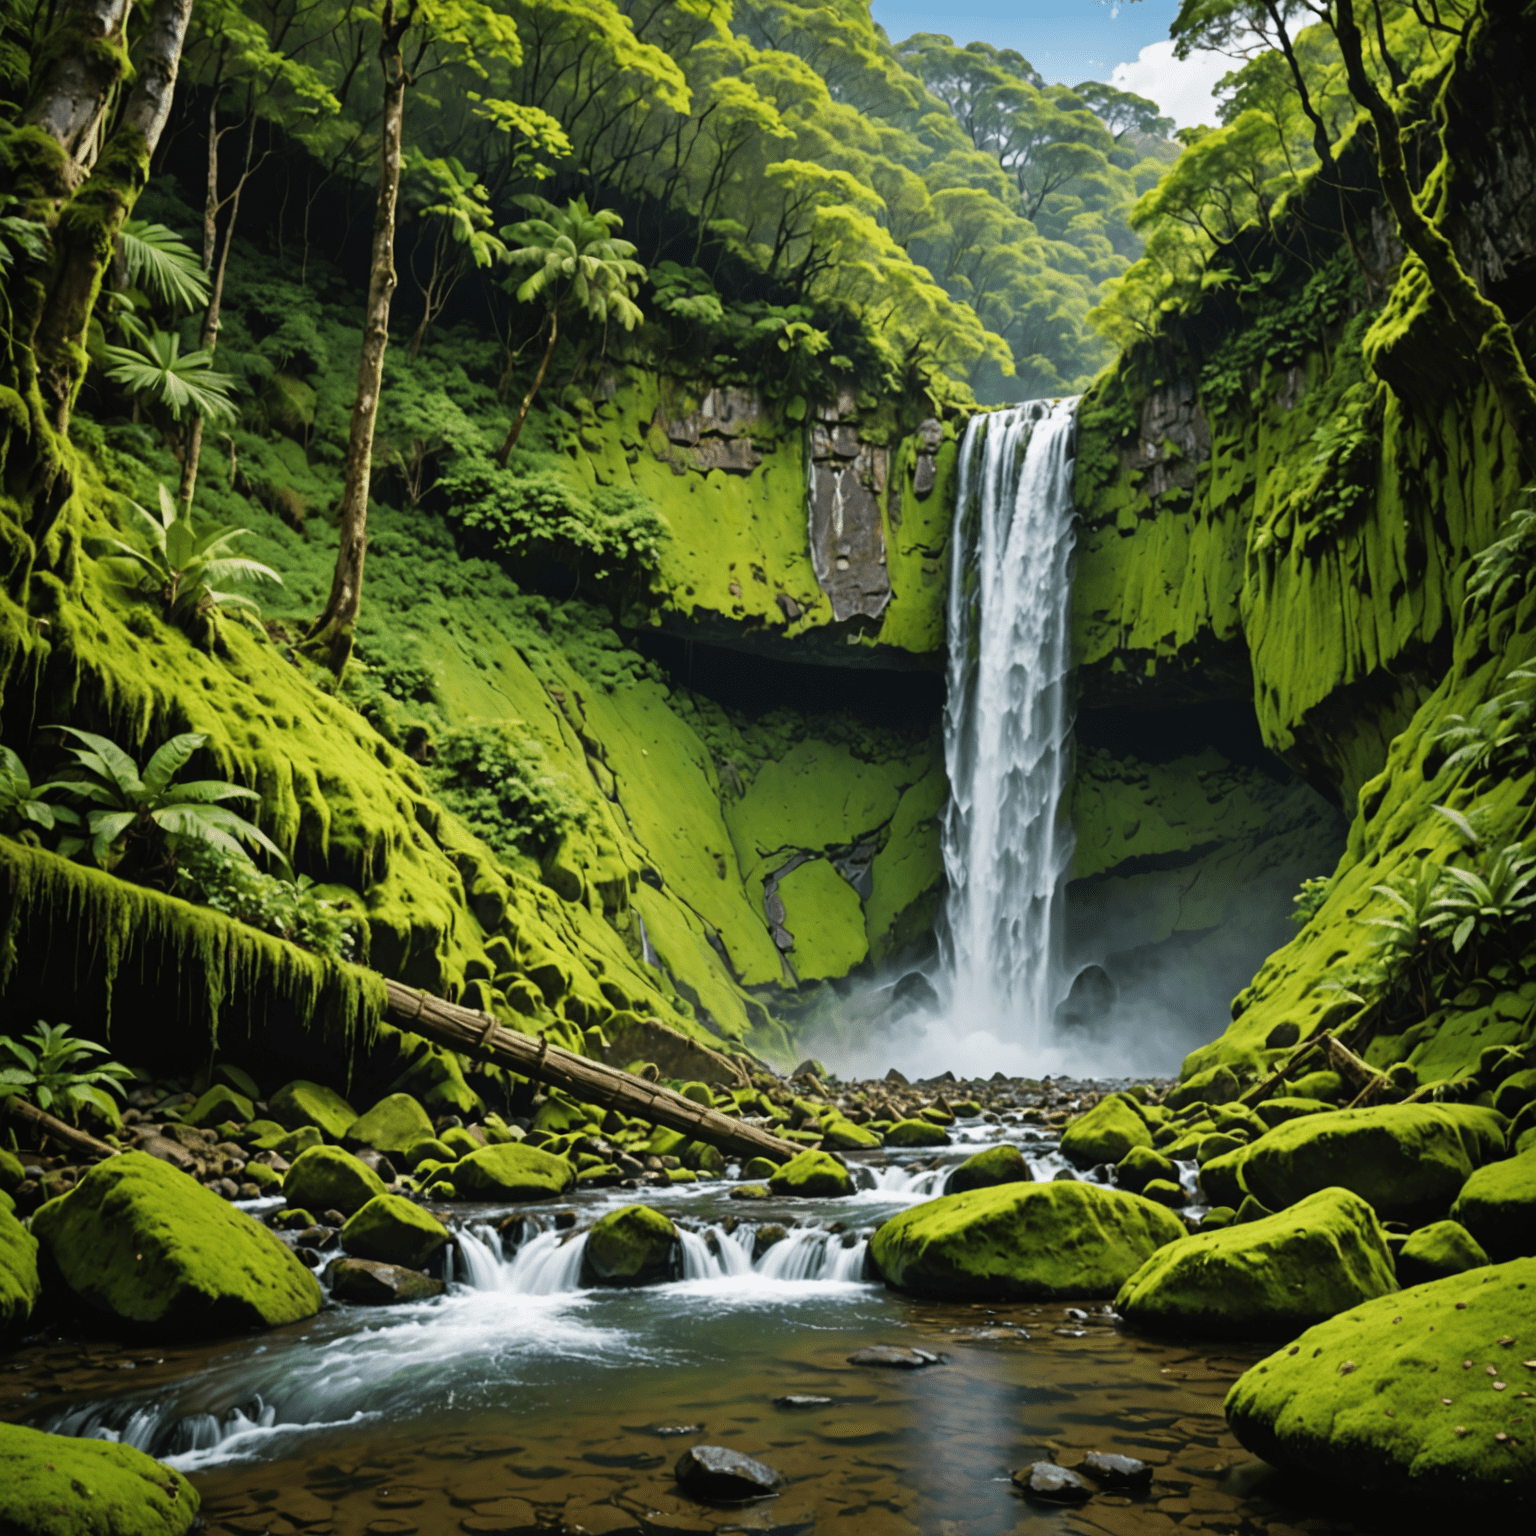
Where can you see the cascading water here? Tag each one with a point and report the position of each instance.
(1007, 723)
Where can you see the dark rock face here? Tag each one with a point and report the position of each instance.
(1124, 1474)
(1045, 1480)
(379, 1285)
(847, 534)
(894, 1357)
(722, 1476)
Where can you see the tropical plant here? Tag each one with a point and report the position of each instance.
(161, 263)
(20, 237)
(183, 566)
(139, 818)
(159, 371)
(49, 1072)
(1503, 573)
(1500, 733)
(1489, 909)
(22, 805)
(577, 264)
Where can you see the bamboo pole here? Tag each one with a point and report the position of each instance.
(480, 1035)
(40, 1120)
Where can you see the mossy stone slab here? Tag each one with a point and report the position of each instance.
(844, 1136)
(825, 916)
(1359, 1399)
(393, 1230)
(150, 1248)
(815, 1175)
(395, 1124)
(633, 1246)
(1267, 1278)
(509, 1172)
(1106, 1133)
(1497, 1205)
(1215, 1085)
(55, 1485)
(436, 1080)
(1023, 1242)
(1409, 1160)
(19, 1284)
(326, 1178)
(1438, 1251)
(304, 1103)
(916, 1133)
(219, 1104)
(1002, 1164)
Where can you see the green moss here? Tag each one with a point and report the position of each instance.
(391, 1230)
(1022, 1242)
(1106, 1133)
(303, 1103)
(512, 1172)
(20, 1287)
(916, 1133)
(1140, 1166)
(1359, 1399)
(396, 1123)
(842, 1135)
(149, 1249)
(1002, 1164)
(1438, 1251)
(1265, 1278)
(1215, 1085)
(812, 1175)
(823, 914)
(218, 1104)
(1497, 1205)
(328, 1179)
(59, 1486)
(632, 1246)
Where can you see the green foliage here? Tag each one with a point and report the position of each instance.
(49, 1070)
(160, 262)
(1499, 737)
(1506, 570)
(138, 819)
(160, 372)
(1308, 901)
(292, 909)
(179, 564)
(22, 805)
(578, 263)
(496, 779)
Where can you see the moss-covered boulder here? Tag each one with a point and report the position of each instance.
(1409, 1160)
(395, 1124)
(1003, 1164)
(19, 1285)
(1326, 1087)
(150, 1248)
(1022, 1242)
(1220, 1178)
(1215, 1085)
(53, 1485)
(392, 1230)
(1497, 1205)
(1264, 1279)
(815, 1175)
(304, 1103)
(633, 1246)
(217, 1105)
(844, 1136)
(1437, 1252)
(1278, 1111)
(916, 1133)
(436, 1080)
(429, 1151)
(1362, 1398)
(1106, 1133)
(510, 1172)
(328, 1179)
(461, 1141)
(11, 1173)
(1140, 1166)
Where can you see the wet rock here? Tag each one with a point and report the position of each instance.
(503, 1517)
(894, 1357)
(512, 1171)
(318, 1237)
(166, 1150)
(1497, 1205)
(751, 1192)
(633, 1246)
(1140, 1166)
(764, 1238)
(1106, 1133)
(395, 1124)
(1045, 1480)
(813, 1175)
(1436, 1252)
(326, 1177)
(1121, 1474)
(719, 1475)
(303, 1103)
(377, 1285)
(1166, 1192)
(916, 1133)
(19, 1283)
(392, 1230)
(1002, 1164)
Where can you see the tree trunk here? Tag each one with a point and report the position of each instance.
(20, 1112)
(1479, 319)
(479, 1035)
(330, 638)
(522, 413)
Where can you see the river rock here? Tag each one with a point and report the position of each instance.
(393, 1230)
(19, 1284)
(1106, 1133)
(1023, 1242)
(1267, 1278)
(1361, 1399)
(1120, 1474)
(302, 1103)
(894, 1357)
(633, 1246)
(1045, 1480)
(1002, 1164)
(217, 1105)
(1216, 1085)
(719, 1475)
(1409, 1160)
(916, 1133)
(844, 1136)
(55, 1485)
(395, 1124)
(1437, 1252)
(166, 1149)
(507, 1517)
(814, 1175)
(326, 1177)
(151, 1249)
(1140, 1166)
(379, 1285)
(1497, 1205)
(509, 1172)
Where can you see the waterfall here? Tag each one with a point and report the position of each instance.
(1007, 722)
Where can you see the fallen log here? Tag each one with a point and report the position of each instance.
(480, 1035)
(37, 1119)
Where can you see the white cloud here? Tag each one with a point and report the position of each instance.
(1181, 87)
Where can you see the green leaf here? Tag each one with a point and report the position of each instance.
(171, 759)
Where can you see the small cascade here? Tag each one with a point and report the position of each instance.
(1007, 722)
(544, 1263)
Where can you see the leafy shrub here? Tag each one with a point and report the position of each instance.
(46, 1073)
(22, 805)
(1308, 901)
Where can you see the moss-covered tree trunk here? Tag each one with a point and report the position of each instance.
(330, 637)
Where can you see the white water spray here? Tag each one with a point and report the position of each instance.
(1007, 723)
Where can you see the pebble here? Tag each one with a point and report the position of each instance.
(1123, 1473)
(894, 1357)
(1045, 1480)
(723, 1476)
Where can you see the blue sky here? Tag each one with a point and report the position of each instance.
(1073, 40)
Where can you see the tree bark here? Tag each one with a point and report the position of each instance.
(330, 638)
(479, 1035)
(1479, 319)
(23, 1113)
(522, 413)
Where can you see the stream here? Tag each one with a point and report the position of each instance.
(519, 1402)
